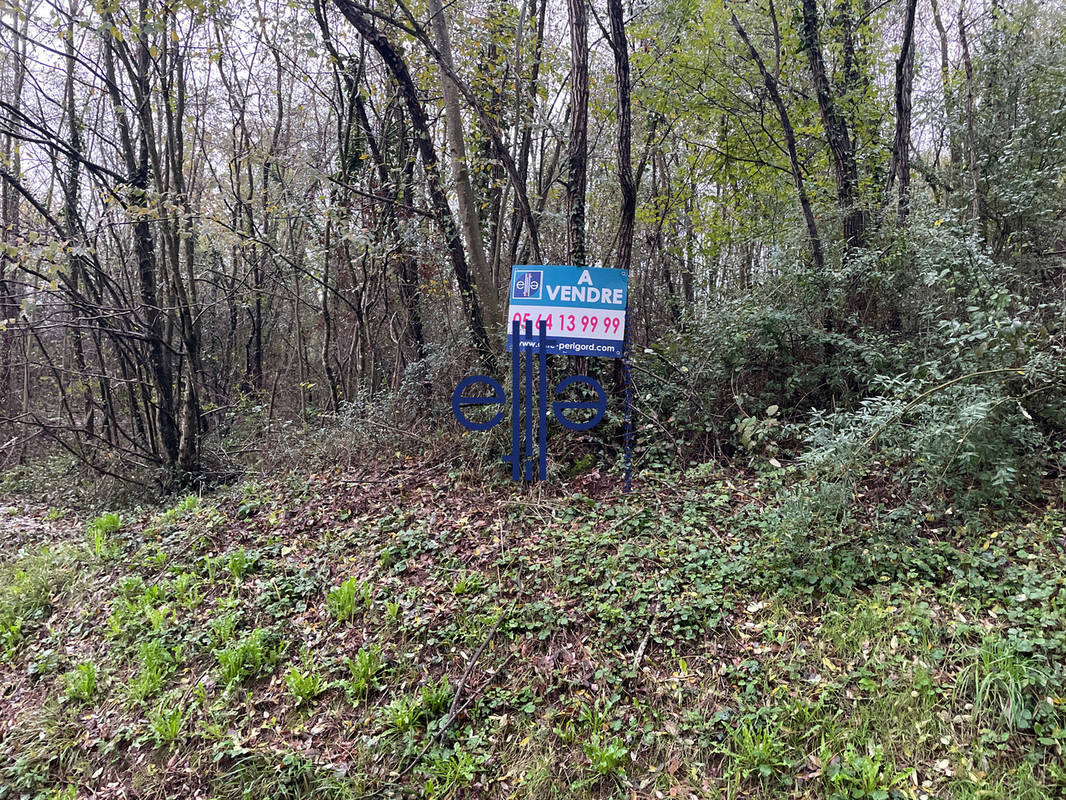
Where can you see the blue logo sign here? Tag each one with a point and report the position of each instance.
(521, 458)
(583, 308)
(528, 284)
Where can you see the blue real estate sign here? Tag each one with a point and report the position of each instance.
(583, 308)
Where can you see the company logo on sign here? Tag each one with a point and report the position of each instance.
(525, 463)
(576, 311)
(528, 285)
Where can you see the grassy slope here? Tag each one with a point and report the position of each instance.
(722, 635)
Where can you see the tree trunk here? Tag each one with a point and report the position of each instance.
(954, 149)
(901, 143)
(9, 217)
(841, 145)
(529, 101)
(628, 210)
(976, 205)
(487, 292)
(71, 191)
(770, 81)
(578, 146)
(398, 68)
(136, 154)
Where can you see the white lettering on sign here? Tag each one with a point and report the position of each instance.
(581, 308)
(582, 294)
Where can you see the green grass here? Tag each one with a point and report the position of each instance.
(756, 750)
(238, 773)
(28, 584)
(1000, 684)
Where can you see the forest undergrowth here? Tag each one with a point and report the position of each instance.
(409, 631)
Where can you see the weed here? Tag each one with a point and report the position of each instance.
(287, 594)
(239, 563)
(809, 719)
(605, 756)
(451, 772)
(864, 777)
(404, 713)
(10, 635)
(306, 683)
(166, 721)
(187, 589)
(157, 617)
(223, 627)
(567, 731)
(997, 681)
(756, 749)
(131, 587)
(1014, 784)
(80, 682)
(341, 600)
(364, 669)
(594, 716)
(46, 664)
(156, 664)
(27, 587)
(99, 531)
(183, 508)
(246, 658)
(437, 696)
(155, 557)
(153, 595)
(366, 594)
(254, 497)
(245, 774)
(392, 611)
(467, 583)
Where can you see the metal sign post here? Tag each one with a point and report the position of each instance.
(574, 314)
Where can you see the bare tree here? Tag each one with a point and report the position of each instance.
(488, 293)
(770, 81)
(901, 142)
(577, 149)
(430, 164)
